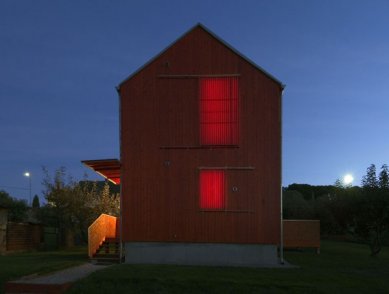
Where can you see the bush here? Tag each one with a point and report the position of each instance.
(295, 206)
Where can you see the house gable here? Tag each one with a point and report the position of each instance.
(201, 27)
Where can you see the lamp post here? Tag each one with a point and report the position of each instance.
(28, 175)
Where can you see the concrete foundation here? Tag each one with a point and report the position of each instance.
(246, 255)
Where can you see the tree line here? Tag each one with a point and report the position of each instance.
(359, 212)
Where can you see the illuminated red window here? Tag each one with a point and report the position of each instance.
(219, 111)
(212, 189)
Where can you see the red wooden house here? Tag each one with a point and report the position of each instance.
(200, 166)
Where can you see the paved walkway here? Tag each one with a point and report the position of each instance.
(56, 282)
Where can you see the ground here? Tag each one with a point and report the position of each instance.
(340, 268)
(13, 266)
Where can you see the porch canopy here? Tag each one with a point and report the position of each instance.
(108, 168)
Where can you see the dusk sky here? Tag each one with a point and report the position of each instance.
(61, 60)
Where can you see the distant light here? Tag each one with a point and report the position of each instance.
(27, 174)
(348, 179)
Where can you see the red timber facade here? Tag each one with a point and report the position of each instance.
(200, 149)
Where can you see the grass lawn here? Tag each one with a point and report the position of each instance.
(16, 265)
(340, 268)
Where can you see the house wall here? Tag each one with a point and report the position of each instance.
(161, 153)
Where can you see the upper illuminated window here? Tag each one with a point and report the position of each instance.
(219, 111)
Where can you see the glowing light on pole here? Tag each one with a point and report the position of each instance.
(28, 175)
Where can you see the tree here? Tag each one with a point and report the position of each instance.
(17, 209)
(311, 192)
(384, 178)
(331, 204)
(74, 204)
(295, 206)
(106, 202)
(338, 184)
(371, 217)
(70, 205)
(340, 208)
(35, 202)
(369, 181)
(323, 207)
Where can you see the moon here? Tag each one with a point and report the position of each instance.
(348, 179)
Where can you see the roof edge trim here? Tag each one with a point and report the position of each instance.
(214, 36)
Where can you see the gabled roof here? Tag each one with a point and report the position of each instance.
(199, 25)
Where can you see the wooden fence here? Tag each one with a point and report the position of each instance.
(24, 236)
(302, 234)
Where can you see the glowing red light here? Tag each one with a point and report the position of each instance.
(115, 180)
(219, 111)
(212, 189)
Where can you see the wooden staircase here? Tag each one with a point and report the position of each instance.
(108, 252)
(103, 240)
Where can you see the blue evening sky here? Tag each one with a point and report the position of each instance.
(61, 60)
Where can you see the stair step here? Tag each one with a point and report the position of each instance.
(112, 240)
(104, 247)
(107, 255)
(103, 250)
(108, 245)
(109, 248)
(108, 252)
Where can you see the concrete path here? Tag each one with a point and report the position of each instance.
(56, 282)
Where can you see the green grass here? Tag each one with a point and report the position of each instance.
(16, 265)
(340, 268)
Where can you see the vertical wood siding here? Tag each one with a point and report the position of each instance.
(161, 152)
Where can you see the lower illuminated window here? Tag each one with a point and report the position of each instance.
(212, 189)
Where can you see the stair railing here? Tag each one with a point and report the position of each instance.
(105, 226)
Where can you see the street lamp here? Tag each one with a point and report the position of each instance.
(28, 175)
